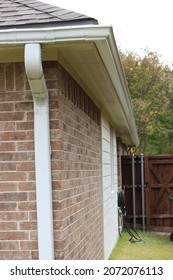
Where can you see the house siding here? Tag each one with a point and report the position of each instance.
(75, 161)
(110, 186)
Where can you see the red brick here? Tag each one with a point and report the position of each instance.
(33, 216)
(13, 196)
(25, 126)
(12, 116)
(8, 226)
(8, 186)
(13, 156)
(30, 116)
(54, 124)
(8, 166)
(56, 145)
(56, 185)
(34, 255)
(24, 106)
(53, 105)
(26, 166)
(28, 245)
(32, 196)
(12, 136)
(25, 146)
(15, 255)
(57, 205)
(57, 225)
(13, 176)
(7, 126)
(8, 206)
(55, 115)
(29, 135)
(31, 176)
(27, 206)
(27, 225)
(33, 235)
(26, 186)
(14, 235)
(6, 106)
(10, 96)
(9, 245)
(7, 146)
(13, 216)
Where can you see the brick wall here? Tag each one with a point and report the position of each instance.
(76, 167)
(17, 178)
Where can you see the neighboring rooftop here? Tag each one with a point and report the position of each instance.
(31, 13)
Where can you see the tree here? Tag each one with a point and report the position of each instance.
(151, 86)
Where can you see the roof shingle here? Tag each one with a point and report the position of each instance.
(27, 13)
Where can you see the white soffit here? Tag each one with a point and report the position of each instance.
(85, 61)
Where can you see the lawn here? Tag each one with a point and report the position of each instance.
(153, 247)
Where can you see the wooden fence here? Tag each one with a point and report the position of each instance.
(158, 185)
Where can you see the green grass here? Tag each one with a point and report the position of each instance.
(153, 247)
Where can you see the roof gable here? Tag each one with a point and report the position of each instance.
(31, 13)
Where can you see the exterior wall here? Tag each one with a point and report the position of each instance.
(76, 167)
(17, 177)
(76, 164)
(110, 187)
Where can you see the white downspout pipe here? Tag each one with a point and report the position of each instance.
(34, 72)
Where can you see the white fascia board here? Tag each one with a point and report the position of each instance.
(103, 38)
(111, 60)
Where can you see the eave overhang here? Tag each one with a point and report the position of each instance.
(90, 55)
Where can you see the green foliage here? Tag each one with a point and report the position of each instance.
(151, 87)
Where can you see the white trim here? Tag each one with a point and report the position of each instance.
(33, 66)
(110, 186)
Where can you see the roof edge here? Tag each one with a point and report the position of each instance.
(103, 37)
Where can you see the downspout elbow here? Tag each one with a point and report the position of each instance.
(34, 71)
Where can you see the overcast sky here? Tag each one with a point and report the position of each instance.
(138, 24)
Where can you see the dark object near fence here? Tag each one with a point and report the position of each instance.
(171, 199)
(134, 237)
(171, 237)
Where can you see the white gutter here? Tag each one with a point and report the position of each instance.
(54, 34)
(34, 71)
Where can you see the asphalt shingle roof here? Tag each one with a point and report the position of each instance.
(29, 13)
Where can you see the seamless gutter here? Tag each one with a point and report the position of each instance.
(52, 35)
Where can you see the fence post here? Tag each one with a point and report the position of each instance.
(142, 192)
(133, 188)
(147, 192)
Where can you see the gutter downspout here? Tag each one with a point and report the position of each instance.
(34, 72)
